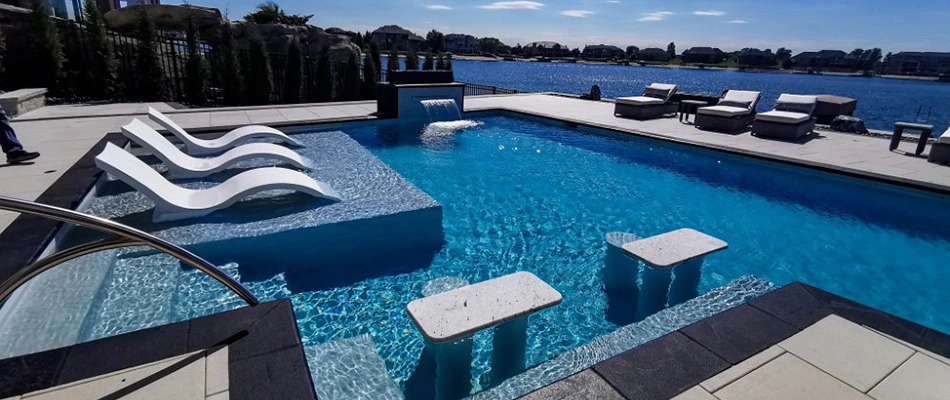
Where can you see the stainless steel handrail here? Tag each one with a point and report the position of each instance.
(128, 236)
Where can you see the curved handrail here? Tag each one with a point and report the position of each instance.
(128, 236)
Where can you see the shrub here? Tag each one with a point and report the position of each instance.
(323, 84)
(377, 58)
(428, 64)
(151, 82)
(232, 81)
(196, 68)
(392, 62)
(349, 78)
(368, 88)
(440, 62)
(103, 73)
(293, 78)
(47, 48)
(260, 81)
(412, 61)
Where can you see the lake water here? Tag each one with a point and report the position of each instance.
(881, 102)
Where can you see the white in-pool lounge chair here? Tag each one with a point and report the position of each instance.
(202, 147)
(173, 202)
(790, 120)
(733, 112)
(654, 103)
(940, 149)
(181, 165)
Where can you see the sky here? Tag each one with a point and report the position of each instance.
(799, 25)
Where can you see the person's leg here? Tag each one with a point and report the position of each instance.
(8, 140)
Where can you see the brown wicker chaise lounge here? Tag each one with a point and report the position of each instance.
(734, 112)
(940, 150)
(790, 120)
(654, 103)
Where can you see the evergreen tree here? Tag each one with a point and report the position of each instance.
(671, 50)
(350, 79)
(232, 81)
(368, 88)
(358, 40)
(448, 63)
(196, 67)
(392, 62)
(440, 62)
(3, 53)
(103, 73)
(412, 60)
(47, 48)
(323, 84)
(151, 84)
(260, 81)
(428, 64)
(293, 78)
(377, 58)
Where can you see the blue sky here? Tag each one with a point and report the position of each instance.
(799, 25)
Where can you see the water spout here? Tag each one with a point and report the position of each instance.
(441, 110)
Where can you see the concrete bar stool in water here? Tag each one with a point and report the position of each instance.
(680, 250)
(448, 320)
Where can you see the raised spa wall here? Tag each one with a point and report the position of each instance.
(402, 96)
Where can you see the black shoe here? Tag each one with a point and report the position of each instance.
(19, 156)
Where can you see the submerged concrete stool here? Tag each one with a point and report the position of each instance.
(925, 131)
(449, 319)
(681, 249)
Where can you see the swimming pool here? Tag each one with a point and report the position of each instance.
(538, 196)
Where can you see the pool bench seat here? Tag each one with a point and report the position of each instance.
(448, 320)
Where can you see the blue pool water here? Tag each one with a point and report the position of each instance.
(881, 102)
(519, 195)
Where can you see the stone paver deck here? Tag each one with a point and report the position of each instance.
(855, 154)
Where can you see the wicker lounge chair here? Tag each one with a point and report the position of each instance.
(654, 103)
(791, 119)
(940, 150)
(733, 113)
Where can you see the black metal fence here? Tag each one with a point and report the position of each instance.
(474, 89)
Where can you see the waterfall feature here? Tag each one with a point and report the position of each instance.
(441, 110)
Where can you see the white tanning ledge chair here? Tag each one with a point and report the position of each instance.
(181, 165)
(654, 103)
(790, 120)
(173, 202)
(201, 147)
(733, 112)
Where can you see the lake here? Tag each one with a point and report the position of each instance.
(881, 102)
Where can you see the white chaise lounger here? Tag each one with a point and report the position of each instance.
(202, 147)
(181, 165)
(173, 202)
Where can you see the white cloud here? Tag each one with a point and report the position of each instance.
(513, 5)
(737, 21)
(576, 13)
(613, 1)
(709, 13)
(655, 16)
(438, 7)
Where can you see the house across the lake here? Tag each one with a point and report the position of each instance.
(825, 59)
(547, 49)
(756, 58)
(705, 55)
(918, 63)
(602, 52)
(654, 54)
(459, 43)
(390, 36)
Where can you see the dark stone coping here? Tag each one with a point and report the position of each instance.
(265, 356)
(684, 358)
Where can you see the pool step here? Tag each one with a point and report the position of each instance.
(199, 294)
(137, 294)
(350, 369)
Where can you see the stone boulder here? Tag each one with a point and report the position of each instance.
(276, 36)
(848, 124)
(165, 16)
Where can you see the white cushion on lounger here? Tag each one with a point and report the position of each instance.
(945, 137)
(741, 96)
(639, 101)
(724, 111)
(662, 86)
(796, 98)
(782, 117)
